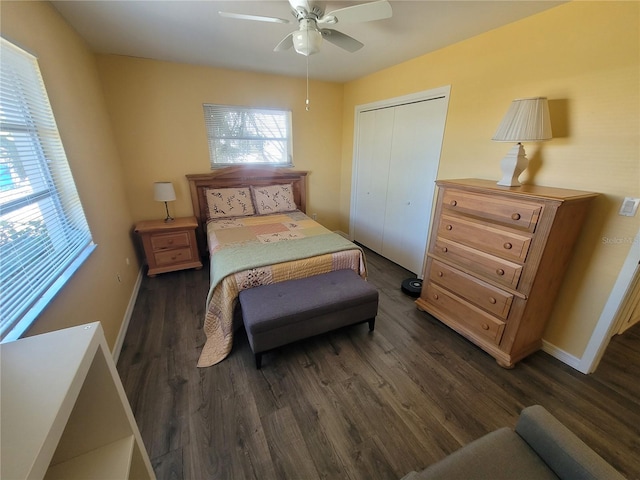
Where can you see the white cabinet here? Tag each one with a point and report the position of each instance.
(64, 412)
(396, 165)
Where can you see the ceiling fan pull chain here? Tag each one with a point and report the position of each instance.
(307, 100)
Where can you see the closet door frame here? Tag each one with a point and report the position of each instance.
(440, 92)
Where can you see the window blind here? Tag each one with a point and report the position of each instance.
(244, 135)
(44, 235)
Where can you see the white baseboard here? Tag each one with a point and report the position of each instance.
(127, 317)
(342, 234)
(564, 357)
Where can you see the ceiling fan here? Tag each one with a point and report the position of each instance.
(312, 22)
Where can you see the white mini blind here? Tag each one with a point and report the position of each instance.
(244, 135)
(44, 235)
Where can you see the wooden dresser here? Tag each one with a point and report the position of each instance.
(169, 246)
(495, 261)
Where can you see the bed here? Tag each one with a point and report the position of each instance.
(252, 223)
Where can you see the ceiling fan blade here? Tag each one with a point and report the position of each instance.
(364, 12)
(258, 18)
(285, 44)
(341, 40)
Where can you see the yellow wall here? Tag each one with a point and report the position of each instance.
(584, 56)
(71, 78)
(157, 116)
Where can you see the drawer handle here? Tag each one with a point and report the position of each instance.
(435, 296)
(170, 242)
(515, 216)
(485, 326)
(508, 246)
(440, 274)
(445, 249)
(492, 300)
(500, 271)
(453, 203)
(449, 227)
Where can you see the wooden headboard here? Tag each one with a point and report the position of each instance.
(238, 176)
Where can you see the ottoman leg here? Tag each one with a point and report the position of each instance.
(372, 324)
(258, 361)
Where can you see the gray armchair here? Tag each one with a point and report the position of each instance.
(540, 448)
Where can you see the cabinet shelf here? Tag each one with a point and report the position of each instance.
(64, 411)
(107, 462)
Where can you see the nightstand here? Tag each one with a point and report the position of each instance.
(169, 246)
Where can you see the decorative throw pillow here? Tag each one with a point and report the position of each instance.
(229, 202)
(273, 198)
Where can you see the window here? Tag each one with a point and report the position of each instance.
(241, 135)
(44, 236)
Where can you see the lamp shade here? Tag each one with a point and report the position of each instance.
(527, 120)
(163, 192)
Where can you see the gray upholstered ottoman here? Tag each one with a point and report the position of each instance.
(283, 312)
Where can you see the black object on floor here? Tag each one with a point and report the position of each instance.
(412, 286)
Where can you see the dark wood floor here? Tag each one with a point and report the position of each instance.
(351, 404)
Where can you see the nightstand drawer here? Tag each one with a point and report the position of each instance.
(162, 241)
(485, 296)
(489, 266)
(173, 257)
(516, 214)
(461, 313)
(504, 243)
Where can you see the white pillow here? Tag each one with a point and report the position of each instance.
(273, 198)
(228, 202)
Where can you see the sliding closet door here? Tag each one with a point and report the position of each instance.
(415, 153)
(374, 152)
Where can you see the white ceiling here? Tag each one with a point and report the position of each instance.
(192, 32)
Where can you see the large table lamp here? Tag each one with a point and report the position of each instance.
(164, 192)
(527, 120)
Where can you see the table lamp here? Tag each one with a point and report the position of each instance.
(163, 192)
(527, 120)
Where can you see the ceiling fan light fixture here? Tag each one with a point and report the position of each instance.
(307, 42)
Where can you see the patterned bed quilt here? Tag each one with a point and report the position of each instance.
(258, 250)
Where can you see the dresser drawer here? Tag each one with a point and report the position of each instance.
(460, 312)
(508, 212)
(175, 256)
(485, 296)
(504, 243)
(162, 241)
(488, 266)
